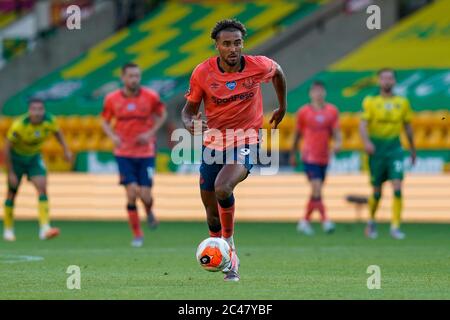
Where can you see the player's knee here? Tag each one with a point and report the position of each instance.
(42, 191)
(398, 193)
(132, 194)
(147, 200)
(317, 193)
(11, 196)
(223, 191)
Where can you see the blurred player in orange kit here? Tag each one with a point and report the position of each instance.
(138, 113)
(317, 124)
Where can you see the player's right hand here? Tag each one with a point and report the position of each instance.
(369, 147)
(194, 125)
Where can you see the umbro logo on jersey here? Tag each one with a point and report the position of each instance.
(231, 85)
(214, 85)
(131, 107)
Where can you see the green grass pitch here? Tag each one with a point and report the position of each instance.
(276, 263)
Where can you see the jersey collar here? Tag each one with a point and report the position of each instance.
(240, 69)
(134, 96)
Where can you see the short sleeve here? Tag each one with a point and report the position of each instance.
(408, 113)
(108, 110)
(269, 67)
(13, 134)
(195, 91)
(365, 114)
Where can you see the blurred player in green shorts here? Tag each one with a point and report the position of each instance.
(382, 120)
(23, 157)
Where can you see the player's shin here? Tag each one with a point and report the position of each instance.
(8, 222)
(309, 209)
(44, 219)
(226, 212)
(374, 200)
(397, 205)
(133, 219)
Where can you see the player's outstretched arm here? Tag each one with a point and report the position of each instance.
(410, 137)
(190, 114)
(279, 83)
(67, 153)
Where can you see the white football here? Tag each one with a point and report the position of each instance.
(214, 254)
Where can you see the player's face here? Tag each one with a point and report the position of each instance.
(317, 94)
(36, 111)
(386, 80)
(131, 78)
(230, 44)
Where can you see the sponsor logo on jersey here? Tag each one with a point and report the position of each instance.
(320, 118)
(231, 85)
(241, 96)
(131, 107)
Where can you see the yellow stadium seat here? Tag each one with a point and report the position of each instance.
(91, 124)
(447, 140)
(435, 139)
(349, 120)
(72, 124)
(351, 139)
(420, 138)
(52, 147)
(105, 144)
(76, 142)
(57, 163)
(93, 142)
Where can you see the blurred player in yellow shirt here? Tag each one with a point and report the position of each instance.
(23, 157)
(382, 120)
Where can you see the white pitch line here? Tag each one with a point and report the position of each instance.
(11, 258)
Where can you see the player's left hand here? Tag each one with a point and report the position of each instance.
(277, 116)
(143, 138)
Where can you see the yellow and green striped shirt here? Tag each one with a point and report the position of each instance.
(27, 138)
(386, 116)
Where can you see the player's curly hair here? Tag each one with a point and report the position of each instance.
(228, 25)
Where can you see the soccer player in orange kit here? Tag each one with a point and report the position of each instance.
(317, 124)
(229, 85)
(138, 113)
